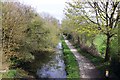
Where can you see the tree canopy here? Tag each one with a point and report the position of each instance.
(91, 18)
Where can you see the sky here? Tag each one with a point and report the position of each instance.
(53, 7)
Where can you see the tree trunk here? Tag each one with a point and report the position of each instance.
(78, 40)
(107, 54)
(92, 44)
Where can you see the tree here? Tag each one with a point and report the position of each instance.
(25, 32)
(104, 14)
(107, 20)
(15, 19)
(81, 27)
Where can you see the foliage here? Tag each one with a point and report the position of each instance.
(16, 20)
(52, 25)
(99, 42)
(86, 19)
(25, 33)
(77, 25)
(115, 52)
(114, 46)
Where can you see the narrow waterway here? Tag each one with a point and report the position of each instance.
(54, 68)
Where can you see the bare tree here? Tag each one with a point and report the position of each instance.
(106, 17)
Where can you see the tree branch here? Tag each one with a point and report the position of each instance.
(116, 21)
(112, 15)
(91, 20)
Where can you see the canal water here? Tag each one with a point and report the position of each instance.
(54, 68)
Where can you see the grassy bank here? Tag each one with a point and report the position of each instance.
(29, 69)
(96, 60)
(72, 68)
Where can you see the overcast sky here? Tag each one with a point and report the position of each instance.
(53, 7)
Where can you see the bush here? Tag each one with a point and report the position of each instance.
(90, 50)
(100, 43)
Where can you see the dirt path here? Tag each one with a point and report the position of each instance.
(87, 69)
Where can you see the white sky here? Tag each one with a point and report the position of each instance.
(53, 7)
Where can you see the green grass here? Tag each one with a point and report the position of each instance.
(16, 73)
(94, 59)
(10, 74)
(72, 68)
(98, 61)
(0, 75)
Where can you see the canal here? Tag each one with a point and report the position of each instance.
(55, 68)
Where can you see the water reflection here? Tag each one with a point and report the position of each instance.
(54, 68)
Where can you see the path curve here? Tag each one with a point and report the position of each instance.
(87, 69)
